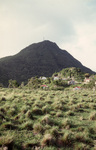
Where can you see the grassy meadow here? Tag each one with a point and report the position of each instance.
(41, 119)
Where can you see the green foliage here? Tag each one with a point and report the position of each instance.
(90, 85)
(72, 72)
(87, 75)
(13, 84)
(34, 83)
(60, 83)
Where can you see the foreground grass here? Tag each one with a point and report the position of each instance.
(47, 120)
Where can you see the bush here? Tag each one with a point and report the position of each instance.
(13, 84)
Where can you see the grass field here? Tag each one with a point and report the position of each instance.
(47, 119)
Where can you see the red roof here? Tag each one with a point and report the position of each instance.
(44, 86)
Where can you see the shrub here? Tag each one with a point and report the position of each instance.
(34, 83)
(13, 84)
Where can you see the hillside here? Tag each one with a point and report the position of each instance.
(47, 119)
(42, 59)
(71, 73)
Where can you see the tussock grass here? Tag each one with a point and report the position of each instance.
(7, 141)
(67, 123)
(47, 140)
(92, 116)
(38, 128)
(47, 119)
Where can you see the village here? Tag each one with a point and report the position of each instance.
(87, 79)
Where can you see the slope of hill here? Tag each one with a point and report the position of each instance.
(71, 73)
(42, 59)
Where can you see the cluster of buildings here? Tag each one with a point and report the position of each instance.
(71, 81)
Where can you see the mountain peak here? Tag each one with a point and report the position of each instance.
(46, 43)
(42, 59)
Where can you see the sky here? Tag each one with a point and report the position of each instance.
(71, 24)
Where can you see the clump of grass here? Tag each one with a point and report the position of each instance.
(59, 114)
(59, 106)
(29, 114)
(81, 146)
(47, 120)
(92, 116)
(36, 110)
(67, 139)
(17, 117)
(67, 123)
(92, 130)
(7, 141)
(47, 140)
(70, 113)
(54, 131)
(3, 99)
(12, 111)
(8, 125)
(45, 109)
(38, 103)
(2, 116)
(73, 108)
(2, 109)
(30, 145)
(49, 148)
(37, 128)
(24, 109)
(28, 125)
(83, 137)
(79, 105)
(80, 129)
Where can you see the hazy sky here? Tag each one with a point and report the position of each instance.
(69, 23)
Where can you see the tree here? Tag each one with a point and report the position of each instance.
(87, 75)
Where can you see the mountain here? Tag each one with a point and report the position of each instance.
(42, 59)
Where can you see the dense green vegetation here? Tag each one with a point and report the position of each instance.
(44, 119)
(72, 72)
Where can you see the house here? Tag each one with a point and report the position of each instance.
(42, 78)
(44, 86)
(87, 80)
(77, 88)
(56, 78)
